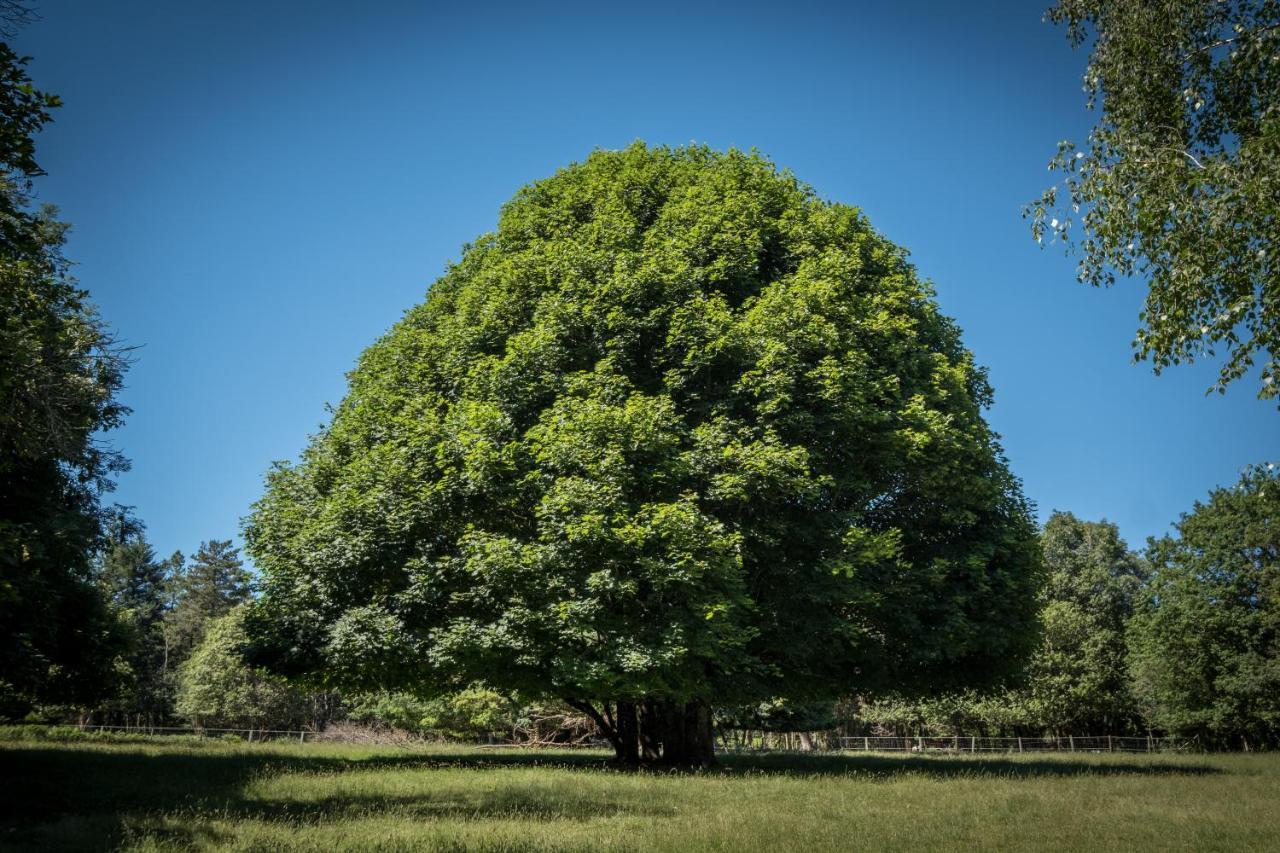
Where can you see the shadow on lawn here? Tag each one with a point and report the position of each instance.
(84, 799)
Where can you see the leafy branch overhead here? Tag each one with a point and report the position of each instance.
(1178, 182)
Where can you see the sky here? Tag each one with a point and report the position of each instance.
(259, 190)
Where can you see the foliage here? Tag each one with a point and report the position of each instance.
(210, 585)
(1078, 678)
(779, 715)
(472, 713)
(1180, 179)
(60, 371)
(387, 709)
(136, 585)
(678, 430)
(74, 734)
(1077, 681)
(1206, 642)
(219, 689)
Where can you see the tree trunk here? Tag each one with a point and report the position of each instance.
(674, 734)
(685, 732)
(651, 728)
(627, 725)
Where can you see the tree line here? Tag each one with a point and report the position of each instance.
(1182, 638)
(1178, 639)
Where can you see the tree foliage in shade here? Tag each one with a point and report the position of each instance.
(136, 585)
(1078, 680)
(1179, 180)
(218, 688)
(1206, 642)
(677, 433)
(60, 371)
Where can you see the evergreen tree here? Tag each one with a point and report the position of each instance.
(60, 371)
(210, 585)
(136, 585)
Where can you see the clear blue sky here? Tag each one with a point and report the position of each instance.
(259, 190)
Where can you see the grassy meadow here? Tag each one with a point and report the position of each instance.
(161, 795)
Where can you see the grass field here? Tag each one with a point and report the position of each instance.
(161, 795)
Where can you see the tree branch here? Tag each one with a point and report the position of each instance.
(605, 729)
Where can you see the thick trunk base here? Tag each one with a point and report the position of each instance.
(656, 732)
(685, 733)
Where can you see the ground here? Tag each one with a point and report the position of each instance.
(157, 794)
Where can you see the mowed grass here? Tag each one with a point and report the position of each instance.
(158, 796)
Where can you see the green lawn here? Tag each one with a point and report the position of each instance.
(162, 795)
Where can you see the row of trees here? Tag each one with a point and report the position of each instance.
(1181, 639)
(164, 608)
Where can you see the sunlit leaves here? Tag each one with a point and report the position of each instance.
(678, 429)
(1178, 183)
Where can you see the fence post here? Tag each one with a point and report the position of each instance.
(1019, 744)
(1110, 748)
(866, 744)
(973, 744)
(919, 743)
(302, 736)
(1148, 741)
(1071, 739)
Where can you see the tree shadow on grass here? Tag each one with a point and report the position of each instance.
(85, 798)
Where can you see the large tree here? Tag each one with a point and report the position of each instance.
(677, 433)
(60, 371)
(1178, 182)
(1206, 642)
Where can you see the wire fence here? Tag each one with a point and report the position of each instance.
(872, 743)
(960, 744)
(250, 735)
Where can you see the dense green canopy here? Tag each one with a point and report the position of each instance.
(60, 371)
(1206, 641)
(677, 428)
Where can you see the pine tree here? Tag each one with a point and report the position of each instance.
(135, 583)
(210, 585)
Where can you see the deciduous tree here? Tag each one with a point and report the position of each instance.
(1178, 182)
(1079, 677)
(1206, 642)
(678, 433)
(218, 688)
(60, 372)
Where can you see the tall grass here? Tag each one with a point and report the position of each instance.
(158, 795)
